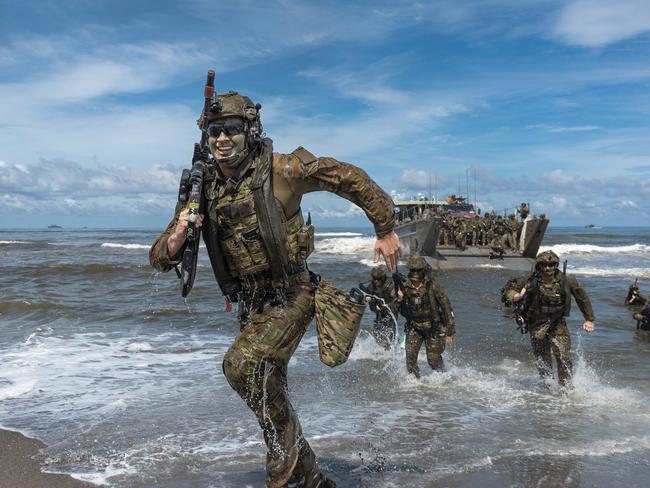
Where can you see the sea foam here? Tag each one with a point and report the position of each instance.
(563, 249)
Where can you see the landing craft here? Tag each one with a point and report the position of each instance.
(427, 225)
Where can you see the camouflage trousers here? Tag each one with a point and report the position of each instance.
(556, 342)
(434, 341)
(256, 368)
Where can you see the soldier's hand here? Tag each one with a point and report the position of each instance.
(388, 247)
(176, 240)
(518, 296)
(449, 340)
(588, 326)
(400, 296)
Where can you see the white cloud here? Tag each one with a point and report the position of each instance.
(562, 128)
(626, 204)
(351, 211)
(596, 23)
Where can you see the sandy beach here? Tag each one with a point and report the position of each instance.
(18, 469)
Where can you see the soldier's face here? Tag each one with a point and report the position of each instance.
(416, 274)
(226, 138)
(549, 269)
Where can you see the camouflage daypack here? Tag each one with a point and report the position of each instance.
(338, 320)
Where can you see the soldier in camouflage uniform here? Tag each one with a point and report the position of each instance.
(548, 301)
(634, 298)
(429, 316)
(384, 329)
(258, 243)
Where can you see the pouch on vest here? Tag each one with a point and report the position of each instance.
(338, 320)
(306, 238)
(424, 326)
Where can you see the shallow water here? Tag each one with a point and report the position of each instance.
(103, 361)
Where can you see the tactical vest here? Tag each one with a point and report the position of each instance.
(247, 233)
(422, 305)
(551, 299)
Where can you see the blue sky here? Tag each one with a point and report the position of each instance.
(544, 101)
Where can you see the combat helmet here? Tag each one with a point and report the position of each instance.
(378, 273)
(417, 263)
(232, 104)
(547, 257)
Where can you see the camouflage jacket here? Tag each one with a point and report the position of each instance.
(294, 175)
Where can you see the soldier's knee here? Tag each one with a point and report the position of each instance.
(234, 368)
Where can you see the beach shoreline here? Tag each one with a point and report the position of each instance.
(19, 469)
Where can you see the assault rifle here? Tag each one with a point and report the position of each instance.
(632, 290)
(398, 281)
(191, 194)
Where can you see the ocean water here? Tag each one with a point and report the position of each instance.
(103, 360)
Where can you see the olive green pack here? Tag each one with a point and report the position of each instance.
(338, 320)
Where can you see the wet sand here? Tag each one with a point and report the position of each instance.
(18, 469)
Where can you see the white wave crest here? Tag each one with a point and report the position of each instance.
(125, 246)
(346, 245)
(139, 347)
(16, 390)
(563, 249)
(371, 264)
(628, 272)
(13, 242)
(338, 234)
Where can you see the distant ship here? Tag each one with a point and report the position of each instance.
(54, 226)
(421, 223)
(590, 226)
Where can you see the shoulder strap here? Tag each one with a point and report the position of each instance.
(270, 217)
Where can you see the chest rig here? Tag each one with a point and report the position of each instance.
(422, 304)
(248, 237)
(551, 299)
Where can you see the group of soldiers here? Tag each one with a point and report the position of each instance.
(245, 200)
(495, 231)
(639, 306)
(542, 300)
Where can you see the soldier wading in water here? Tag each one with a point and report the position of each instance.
(429, 316)
(384, 328)
(547, 301)
(258, 245)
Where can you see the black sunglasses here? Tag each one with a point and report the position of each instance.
(230, 128)
(550, 265)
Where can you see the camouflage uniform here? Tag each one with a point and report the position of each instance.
(429, 317)
(547, 305)
(383, 330)
(275, 309)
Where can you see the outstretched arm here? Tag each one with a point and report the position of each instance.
(582, 299)
(301, 172)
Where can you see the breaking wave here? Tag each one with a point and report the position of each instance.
(7, 243)
(629, 272)
(125, 246)
(563, 249)
(346, 245)
(338, 234)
